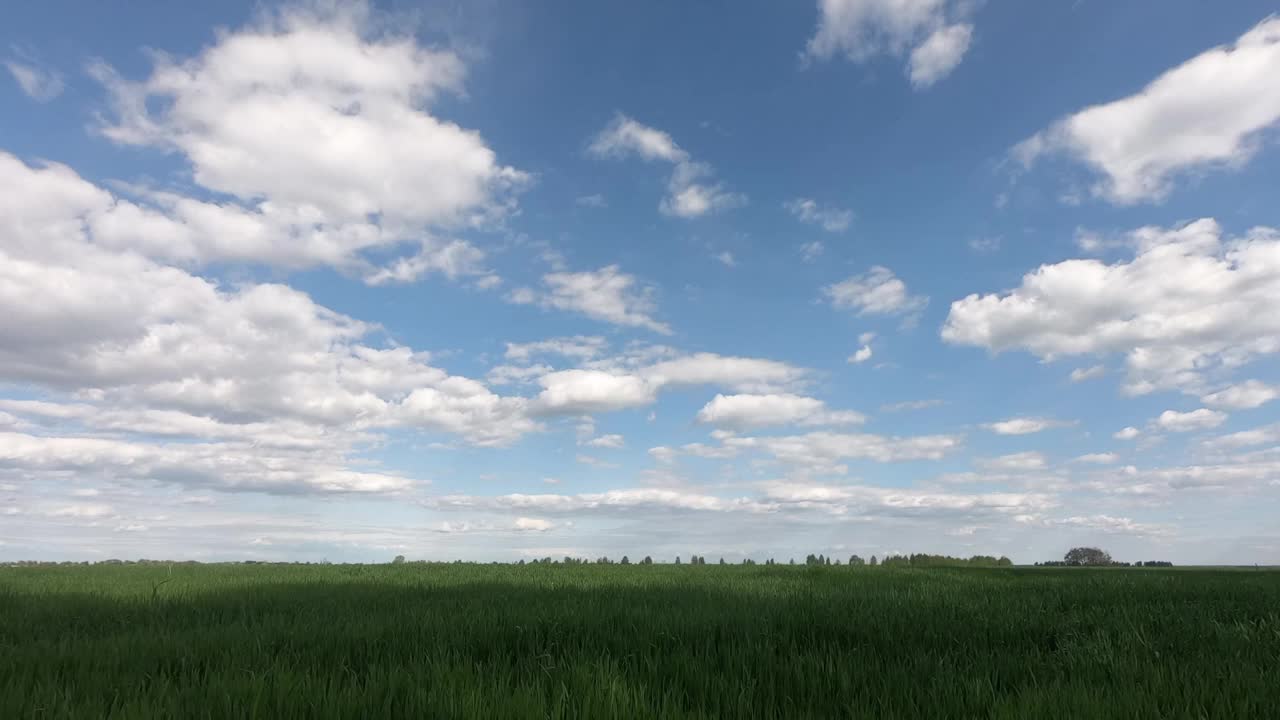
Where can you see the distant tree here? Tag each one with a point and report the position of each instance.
(626, 560)
(677, 559)
(1087, 556)
(647, 560)
(856, 560)
(792, 561)
(722, 561)
(1004, 562)
(398, 561)
(873, 562)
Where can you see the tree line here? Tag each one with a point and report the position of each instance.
(1097, 557)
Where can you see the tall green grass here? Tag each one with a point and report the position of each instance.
(493, 641)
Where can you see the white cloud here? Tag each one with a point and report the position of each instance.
(610, 385)
(1112, 525)
(1025, 425)
(516, 374)
(613, 441)
(588, 391)
(932, 32)
(744, 374)
(1201, 419)
(1243, 396)
(862, 355)
(751, 411)
(875, 292)
(1265, 435)
(1127, 433)
(725, 258)
(823, 451)
(1015, 462)
(1204, 114)
(528, 524)
(1187, 304)
(689, 197)
(607, 294)
(577, 347)
(453, 259)
(1089, 373)
(223, 465)
(40, 83)
(939, 54)
(624, 137)
(911, 405)
(777, 498)
(811, 251)
(329, 130)
(807, 211)
(1105, 458)
(688, 193)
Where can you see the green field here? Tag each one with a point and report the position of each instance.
(589, 641)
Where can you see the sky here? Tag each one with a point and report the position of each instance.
(498, 281)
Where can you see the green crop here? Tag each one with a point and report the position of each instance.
(592, 641)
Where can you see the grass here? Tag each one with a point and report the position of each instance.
(500, 641)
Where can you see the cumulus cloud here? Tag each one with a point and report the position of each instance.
(255, 384)
(934, 34)
(875, 292)
(328, 131)
(613, 384)
(1106, 458)
(1243, 396)
(862, 355)
(1127, 433)
(1187, 304)
(607, 294)
(939, 54)
(752, 411)
(588, 391)
(1206, 113)
(1201, 419)
(612, 441)
(1025, 425)
(690, 193)
(809, 212)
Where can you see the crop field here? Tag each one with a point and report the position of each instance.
(590, 641)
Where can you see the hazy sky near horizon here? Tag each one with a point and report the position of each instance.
(495, 280)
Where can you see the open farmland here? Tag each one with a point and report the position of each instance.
(590, 641)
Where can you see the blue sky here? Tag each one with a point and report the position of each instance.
(494, 281)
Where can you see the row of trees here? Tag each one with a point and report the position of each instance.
(914, 560)
(1097, 557)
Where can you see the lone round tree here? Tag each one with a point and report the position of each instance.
(1087, 556)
